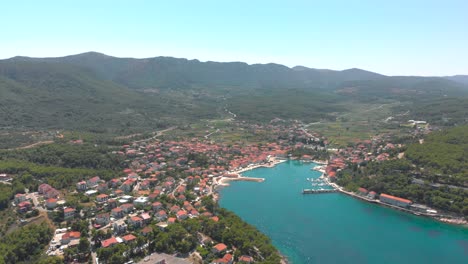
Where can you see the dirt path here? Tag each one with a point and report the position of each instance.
(129, 136)
(158, 134)
(34, 145)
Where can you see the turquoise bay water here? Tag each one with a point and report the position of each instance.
(335, 228)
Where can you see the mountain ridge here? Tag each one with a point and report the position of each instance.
(92, 89)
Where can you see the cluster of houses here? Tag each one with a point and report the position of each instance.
(128, 204)
(367, 150)
(181, 171)
(23, 204)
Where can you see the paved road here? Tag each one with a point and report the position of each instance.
(33, 197)
(175, 189)
(93, 254)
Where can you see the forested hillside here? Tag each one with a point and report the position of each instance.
(104, 94)
(443, 155)
(25, 245)
(48, 95)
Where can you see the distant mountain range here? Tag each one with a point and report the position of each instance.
(458, 78)
(96, 91)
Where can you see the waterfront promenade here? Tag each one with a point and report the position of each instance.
(439, 217)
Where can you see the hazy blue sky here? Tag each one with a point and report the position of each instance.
(409, 37)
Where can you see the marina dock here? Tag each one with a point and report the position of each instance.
(315, 191)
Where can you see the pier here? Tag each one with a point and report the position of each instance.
(313, 191)
(247, 179)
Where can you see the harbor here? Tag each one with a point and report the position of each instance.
(320, 184)
(332, 222)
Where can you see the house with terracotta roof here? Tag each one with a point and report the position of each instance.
(24, 206)
(81, 186)
(109, 242)
(102, 198)
(68, 213)
(114, 183)
(127, 186)
(135, 221)
(393, 200)
(227, 259)
(102, 187)
(94, 181)
(246, 259)
(43, 188)
(156, 206)
(52, 193)
(127, 207)
(118, 192)
(175, 209)
(51, 203)
(219, 248)
(20, 197)
(117, 212)
(372, 195)
(103, 219)
(181, 215)
(128, 238)
(111, 203)
(68, 236)
(171, 220)
(146, 231)
(363, 191)
(194, 213)
(161, 215)
(146, 218)
(145, 185)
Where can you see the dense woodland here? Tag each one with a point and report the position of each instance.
(443, 156)
(25, 245)
(441, 159)
(68, 156)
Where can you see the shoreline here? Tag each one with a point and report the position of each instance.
(440, 218)
(271, 164)
(222, 181)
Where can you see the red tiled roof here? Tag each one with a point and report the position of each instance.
(129, 237)
(109, 242)
(180, 213)
(136, 219)
(362, 190)
(72, 234)
(395, 198)
(220, 247)
(245, 258)
(146, 230)
(69, 209)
